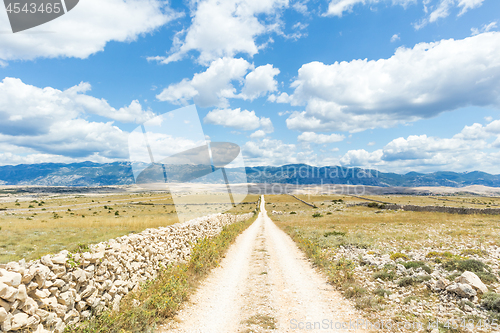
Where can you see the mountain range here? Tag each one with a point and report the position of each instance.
(120, 173)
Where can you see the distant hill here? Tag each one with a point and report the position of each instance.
(120, 173)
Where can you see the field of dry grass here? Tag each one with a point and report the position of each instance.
(30, 228)
(377, 228)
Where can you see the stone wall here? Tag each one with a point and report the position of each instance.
(46, 295)
(440, 209)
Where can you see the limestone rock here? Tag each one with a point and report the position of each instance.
(472, 280)
(8, 293)
(462, 290)
(20, 320)
(12, 279)
(442, 283)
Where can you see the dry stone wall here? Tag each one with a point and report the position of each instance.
(48, 294)
(440, 209)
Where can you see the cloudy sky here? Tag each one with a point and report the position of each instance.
(396, 85)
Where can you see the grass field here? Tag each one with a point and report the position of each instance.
(32, 228)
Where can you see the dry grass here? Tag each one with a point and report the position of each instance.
(373, 228)
(37, 227)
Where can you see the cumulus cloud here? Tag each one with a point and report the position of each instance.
(225, 29)
(467, 150)
(259, 134)
(236, 118)
(259, 82)
(311, 137)
(30, 109)
(85, 30)
(269, 152)
(415, 83)
(215, 85)
(44, 122)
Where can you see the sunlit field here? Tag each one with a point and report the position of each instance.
(35, 227)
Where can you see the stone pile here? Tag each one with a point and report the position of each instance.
(48, 294)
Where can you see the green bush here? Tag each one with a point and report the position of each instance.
(460, 265)
(491, 301)
(385, 275)
(334, 233)
(409, 281)
(397, 255)
(317, 215)
(381, 292)
(417, 264)
(291, 213)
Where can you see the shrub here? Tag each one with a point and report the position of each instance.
(117, 213)
(491, 301)
(397, 255)
(385, 275)
(317, 215)
(334, 233)
(409, 280)
(417, 264)
(354, 290)
(381, 292)
(471, 252)
(460, 265)
(291, 213)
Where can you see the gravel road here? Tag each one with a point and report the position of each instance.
(264, 284)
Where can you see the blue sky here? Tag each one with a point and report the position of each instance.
(396, 85)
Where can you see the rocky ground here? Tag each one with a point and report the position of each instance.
(428, 284)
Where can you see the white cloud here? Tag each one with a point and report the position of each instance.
(85, 30)
(484, 28)
(225, 29)
(211, 87)
(259, 82)
(442, 10)
(413, 84)
(268, 152)
(395, 38)
(311, 137)
(259, 134)
(214, 86)
(467, 150)
(361, 157)
(236, 118)
(338, 7)
(44, 122)
(40, 107)
(372, 143)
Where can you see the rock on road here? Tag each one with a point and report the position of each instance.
(263, 279)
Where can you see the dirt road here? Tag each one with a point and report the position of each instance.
(264, 282)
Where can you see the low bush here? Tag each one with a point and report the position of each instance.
(417, 264)
(397, 255)
(317, 215)
(471, 252)
(334, 233)
(491, 301)
(385, 275)
(410, 280)
(461, 265)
